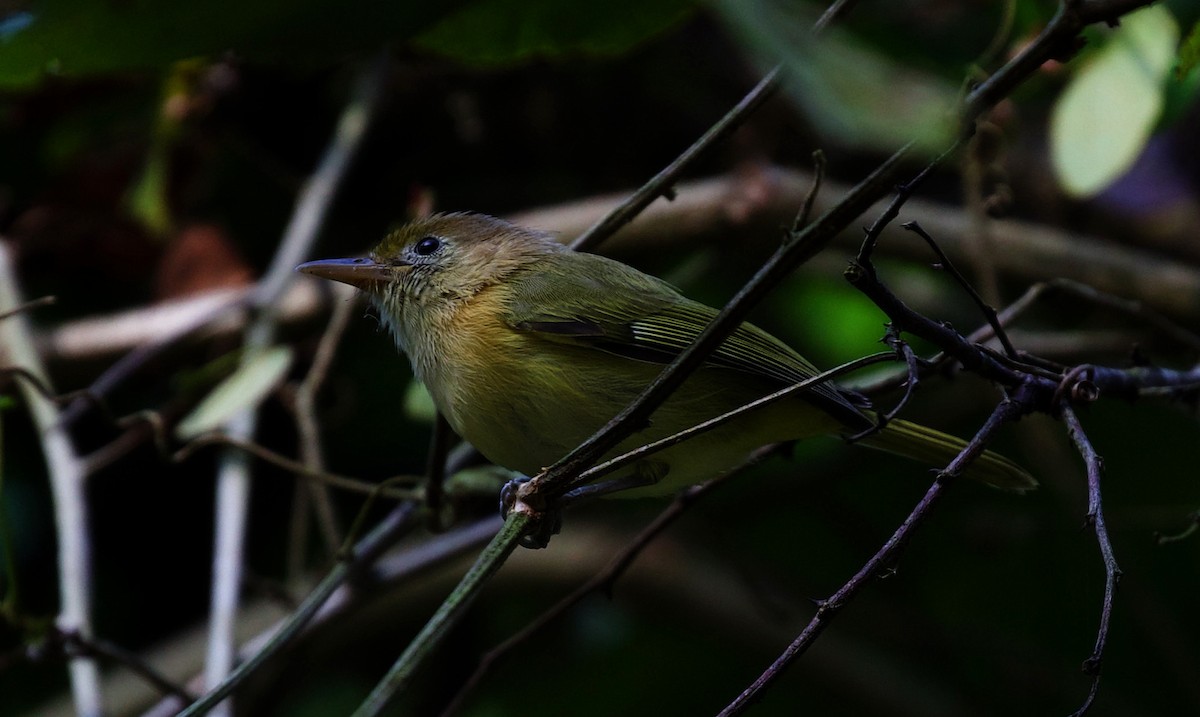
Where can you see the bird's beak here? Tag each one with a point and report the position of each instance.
(359, 271)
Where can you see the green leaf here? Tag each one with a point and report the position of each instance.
(147, 200)
(244, 388)
(83, 37)
(1189, 53)
(418, 404)
(493, 32)
(1106, 114)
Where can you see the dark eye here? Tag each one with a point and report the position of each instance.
(427, 246)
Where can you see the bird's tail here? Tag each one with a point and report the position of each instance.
(935, 448)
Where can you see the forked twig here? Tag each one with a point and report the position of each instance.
(988, 312)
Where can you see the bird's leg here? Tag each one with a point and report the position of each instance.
(645, 473)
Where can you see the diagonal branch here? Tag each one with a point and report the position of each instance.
(1008, 410)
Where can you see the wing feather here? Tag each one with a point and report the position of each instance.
(589, 300)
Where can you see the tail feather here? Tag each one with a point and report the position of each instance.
(935, 448)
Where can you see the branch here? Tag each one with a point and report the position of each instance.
(1008, 410)
(310, 433)
(397, 522)
(1112, 572)
(233, 479)
(72, 521)
(661, 185)
(448, 613)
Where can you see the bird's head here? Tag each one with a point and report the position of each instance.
(439, 259)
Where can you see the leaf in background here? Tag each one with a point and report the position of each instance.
(836, 322)
(418, 404)
(1189, 53)
(83, 37)
(147, 201)
(246, 387)
(1105, 115)
(846, 88)
(492, 32)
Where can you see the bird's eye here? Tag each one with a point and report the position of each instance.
(427, 246)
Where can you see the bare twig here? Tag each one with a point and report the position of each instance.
(72, 521)
(617, 462)
(810, 198)
(834, 12)
(397, 522)
(913, 376)
(346, 483)
(28, 306)
(1112, 572)
(346, 299)
(661, 184)
(1008, 410)
(988, 312)
(76, 645)
(233, 481)
(447, 615)
(1193, 524)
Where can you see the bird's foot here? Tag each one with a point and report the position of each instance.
(547, 518)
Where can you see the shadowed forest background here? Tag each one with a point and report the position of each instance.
(152, 154)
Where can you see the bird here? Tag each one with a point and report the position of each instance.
(528, 347)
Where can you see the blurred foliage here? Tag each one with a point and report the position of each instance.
(496, 32)
(1189, 52)
(848, 90)
(1105, 114)
(153, 149)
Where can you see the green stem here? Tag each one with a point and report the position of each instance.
(489, 561)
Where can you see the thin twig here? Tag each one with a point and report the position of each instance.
(128, 364)
(28, 306)
(448, 613)
(1193, 520)
(346, 483)
(834, 12)
(810, 198)
(383, 535)
(1008, 410)
(1112, 572)
(95, 647)
(617, 462)
(72, 521)
(913, 373)
(233, 479)
(989, 313)
(345, 301)
(661, 184)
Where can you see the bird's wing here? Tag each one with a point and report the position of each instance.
(588, 300)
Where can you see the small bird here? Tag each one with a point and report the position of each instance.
(528, 348)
